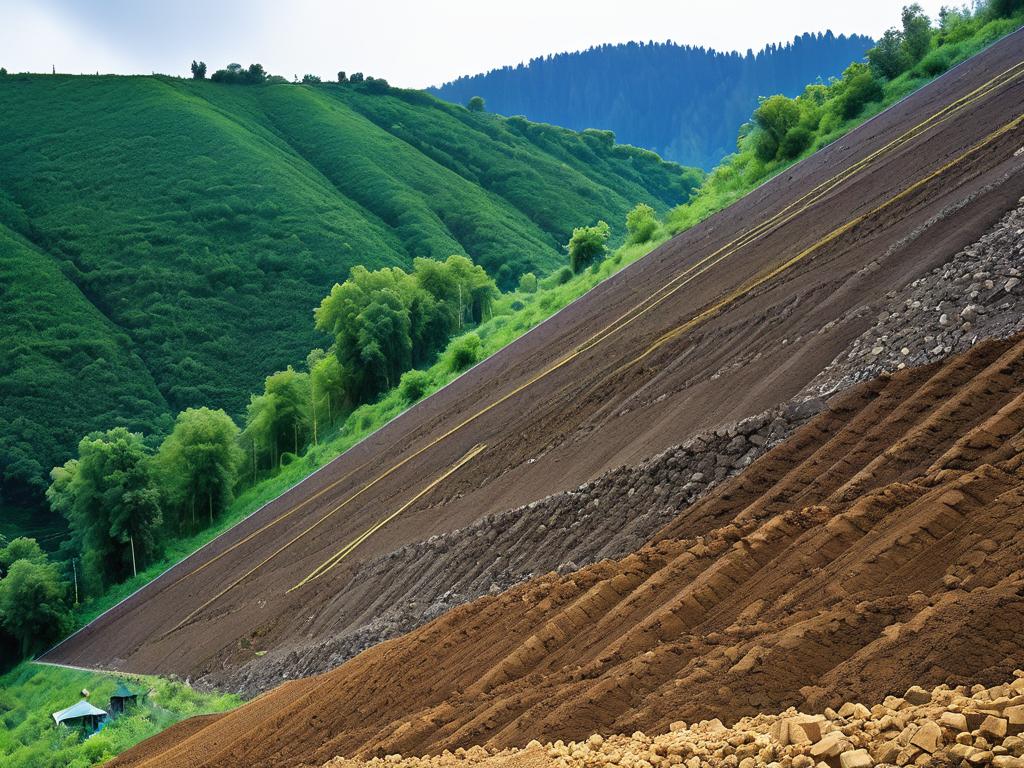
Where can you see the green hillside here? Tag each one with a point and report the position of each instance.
(163, 241)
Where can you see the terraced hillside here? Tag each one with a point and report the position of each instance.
(723, 322)
(877, 548)
(189, 228)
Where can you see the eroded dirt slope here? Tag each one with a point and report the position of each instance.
(616, 512)
(878, 547)
(727, 320)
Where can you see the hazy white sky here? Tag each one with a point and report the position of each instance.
(408, 42)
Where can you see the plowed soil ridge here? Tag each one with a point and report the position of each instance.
(753, 304)
(877, 548)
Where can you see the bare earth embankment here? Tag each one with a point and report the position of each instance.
(722, 323)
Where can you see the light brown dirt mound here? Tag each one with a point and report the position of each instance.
(878, 547)
(730, 318)
(944, 726)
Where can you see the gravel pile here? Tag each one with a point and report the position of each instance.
(978, 294)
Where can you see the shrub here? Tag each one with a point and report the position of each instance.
(935, 63)
(641, 223)
(859, 88)
(587, 245)
(528, 283)
(796, 141)
(413, 385)
(766, 146)
(475, 104)
(463, 352)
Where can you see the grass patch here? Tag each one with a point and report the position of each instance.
(31, 692)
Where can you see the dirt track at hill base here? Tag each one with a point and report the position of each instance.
(598, 409)
(878, 547)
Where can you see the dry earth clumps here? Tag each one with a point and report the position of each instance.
(944, 727)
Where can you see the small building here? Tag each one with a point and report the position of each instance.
(121, 698)
(81, 715)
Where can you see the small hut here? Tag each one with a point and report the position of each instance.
(121, 699)
(81, 715)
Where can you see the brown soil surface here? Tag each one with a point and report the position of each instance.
(878, 547)
(726, 320)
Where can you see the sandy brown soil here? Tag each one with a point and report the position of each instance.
(731, 317)
(877, 548)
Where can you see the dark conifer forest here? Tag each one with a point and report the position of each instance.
(685, 103)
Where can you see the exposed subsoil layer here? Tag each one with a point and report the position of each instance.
(726, 320)
(878, 547)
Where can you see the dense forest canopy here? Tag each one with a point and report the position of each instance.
(681, 101)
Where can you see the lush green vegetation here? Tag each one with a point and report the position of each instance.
(30, 693)
(163, 240)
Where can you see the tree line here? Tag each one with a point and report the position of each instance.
(254, 74)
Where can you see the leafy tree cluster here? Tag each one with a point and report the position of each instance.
(198, 70)
(121, 500)
(235, 74)
(587, 245)
(387, 321)
(34, 609)
(900, 49)
(683, 102)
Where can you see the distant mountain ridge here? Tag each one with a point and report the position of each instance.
(684, 102)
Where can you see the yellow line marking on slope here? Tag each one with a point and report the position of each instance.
(835, 233)
(998, 81)
(780, 218)
(271, 524)
(341, 554)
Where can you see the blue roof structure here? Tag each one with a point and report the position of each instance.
(81, 709)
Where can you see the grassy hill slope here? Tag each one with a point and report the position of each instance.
(164, 241)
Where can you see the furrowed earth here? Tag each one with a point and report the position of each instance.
(876, 549)
(847, 546)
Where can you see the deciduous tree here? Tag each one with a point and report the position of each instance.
(199, 461)
(111, 502)
(641, 223)
(33, 607)
(587, 245)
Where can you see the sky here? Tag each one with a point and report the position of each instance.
(410, 43)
